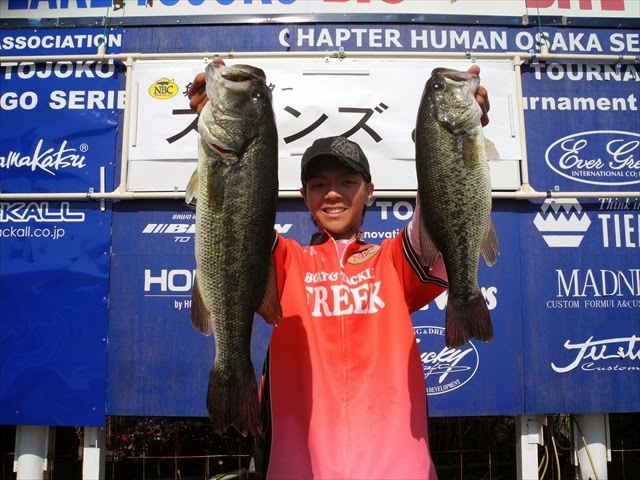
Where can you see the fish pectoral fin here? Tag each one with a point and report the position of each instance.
(270, 309)
(490, 248)
(492, 151)
(200, 316)
(429, 252)
(191, 196)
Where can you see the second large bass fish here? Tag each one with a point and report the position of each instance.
(454, 192)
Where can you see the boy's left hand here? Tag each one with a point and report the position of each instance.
(482, 97)
(197, 90)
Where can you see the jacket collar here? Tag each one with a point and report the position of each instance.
(321, 237)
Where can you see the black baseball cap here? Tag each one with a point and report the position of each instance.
(348, 152)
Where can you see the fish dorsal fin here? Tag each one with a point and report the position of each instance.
(191, 195)
(428, 249)
(270, 308)
(490, 248)
(200, 316)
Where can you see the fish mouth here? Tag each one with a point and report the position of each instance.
(235, 77)
(457, 77)
(223, 115)
(453, 103)
(239, 74)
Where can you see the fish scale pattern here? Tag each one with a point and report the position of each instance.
(235, 214)
(455, 195)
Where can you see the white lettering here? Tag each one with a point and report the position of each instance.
(597, 351)
(169, 280)
(341, 296)
(19, 212)
(602, 283)
(336, 300)
(48, 160)
(444, 362)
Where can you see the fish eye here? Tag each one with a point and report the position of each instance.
(438, 86)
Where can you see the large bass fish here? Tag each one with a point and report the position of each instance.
(454, 192)
(236, 187)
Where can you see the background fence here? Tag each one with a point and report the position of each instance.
(463, 448)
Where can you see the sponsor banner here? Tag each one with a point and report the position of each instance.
(327, 39)
(323, 38)
(361, 100)
(582, 310)
(463, 381)
(383, 125)
(258, 11)
(595, 142)
(80, 41)
(54, 269)
(58, 117)
(361, 97)
(159, 365)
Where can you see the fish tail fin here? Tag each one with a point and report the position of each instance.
(466, 321)
(456, 328)
(480, 320)
(200, 316)
(233, 400)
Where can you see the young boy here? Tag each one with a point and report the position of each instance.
(343, 394)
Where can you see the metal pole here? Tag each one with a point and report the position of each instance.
(528, 437)
(591, 438)
(32, 448)
(126, 127)
(524, 163)
(542, 56)
(129, 59)
(93, 454)
(179, 195)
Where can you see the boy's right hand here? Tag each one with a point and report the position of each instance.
(197, 90)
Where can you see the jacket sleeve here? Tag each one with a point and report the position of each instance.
(420, 283)
(282, 252)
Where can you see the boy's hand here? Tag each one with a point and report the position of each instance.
(482, 97)
(197, 91)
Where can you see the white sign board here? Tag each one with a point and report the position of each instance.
(373, 102)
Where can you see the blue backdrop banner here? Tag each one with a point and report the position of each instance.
(57, 135)
(54, 270)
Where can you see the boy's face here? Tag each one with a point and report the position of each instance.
(336, 196)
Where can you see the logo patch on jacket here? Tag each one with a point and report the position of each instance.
(363, 255)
